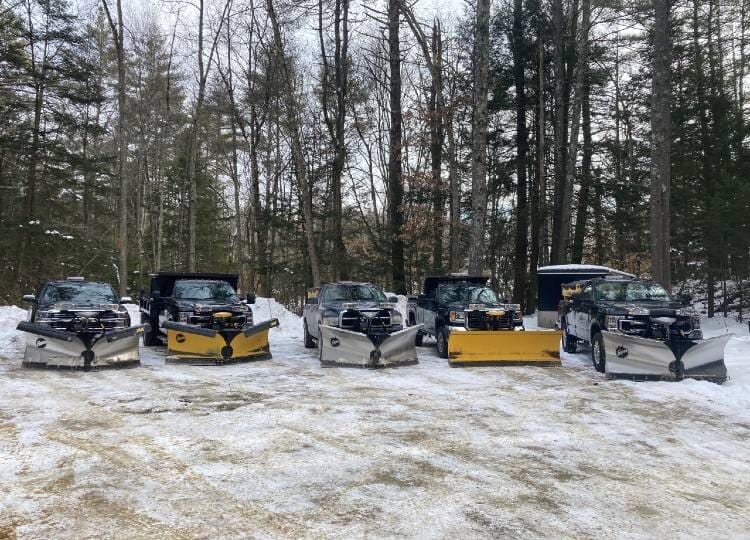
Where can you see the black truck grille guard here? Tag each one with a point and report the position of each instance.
(482, 320)
(207, 320)
(358, 321)
(72, 321)
(643, 326)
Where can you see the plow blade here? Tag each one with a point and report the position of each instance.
(195, 344)
(338, 347)
(637, 358)
(48, 347)
(504, 347)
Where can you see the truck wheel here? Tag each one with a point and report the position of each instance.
(598, 355)
(418, 339)
(442, 342)
(309, 341)
(570, 344)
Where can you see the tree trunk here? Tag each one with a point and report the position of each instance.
(661, 129)
(585, 189)
(118, 34)
(558, 254)
(479, 142)
(395, 180)
(522, 145)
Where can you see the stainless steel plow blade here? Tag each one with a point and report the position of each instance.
(338, 347)
(637, 358)
(49, 347)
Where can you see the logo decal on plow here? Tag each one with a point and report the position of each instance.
(621, 352)
(41, 343)
(335, 342)
(180, 338)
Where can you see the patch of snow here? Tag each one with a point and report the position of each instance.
(290, 325)
(11, 340)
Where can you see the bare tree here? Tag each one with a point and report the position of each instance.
(118, 36)
(661, 133)
(395, 180)
(295, 134)
(479, 142)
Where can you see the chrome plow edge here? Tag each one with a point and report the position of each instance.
(637, 358)
(338, 347)
(51, 348)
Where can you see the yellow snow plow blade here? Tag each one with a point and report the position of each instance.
(186, 342)
(504, 348)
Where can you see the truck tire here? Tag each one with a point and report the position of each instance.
(442, 342)
(418, 339)
(570, 344)
(151, 337)
(598, 355)
(309, 341)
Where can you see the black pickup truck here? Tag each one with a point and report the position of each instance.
(455, 303)
(193, 298)
(633, 307)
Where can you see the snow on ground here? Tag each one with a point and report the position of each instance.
(285, 448)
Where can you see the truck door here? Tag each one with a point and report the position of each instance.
(426, 311)
(583, 313)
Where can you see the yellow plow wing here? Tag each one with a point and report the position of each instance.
(530, 347)
(187, 342)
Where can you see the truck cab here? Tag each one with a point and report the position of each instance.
(207, 300)
(457, 303)
(356, 306)
(629, 306)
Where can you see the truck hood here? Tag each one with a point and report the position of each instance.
(650, 305)
(358, 305)
(208, 305)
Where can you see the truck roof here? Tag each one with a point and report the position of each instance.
(432, 282)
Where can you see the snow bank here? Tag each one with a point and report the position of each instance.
(11, 340)
(290, 325)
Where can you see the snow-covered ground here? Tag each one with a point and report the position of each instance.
(285, 448)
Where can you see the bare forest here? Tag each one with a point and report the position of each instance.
(304, 141)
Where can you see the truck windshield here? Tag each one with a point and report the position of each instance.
(631, 291)
(79, 293)
(218, 291)
(343, 293)
(467, 294)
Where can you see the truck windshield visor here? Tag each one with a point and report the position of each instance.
(217, 291)
(632, 291)
(344, 293)
(79, 294)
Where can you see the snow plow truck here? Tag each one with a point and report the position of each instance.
(638, 331)
(79, 324)
(471, 325)
(354, 324)
(203, 319)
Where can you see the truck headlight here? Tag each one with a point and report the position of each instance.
(456, 316)
(687, 311)
(184, 316)
(396, 318)
(612, 321)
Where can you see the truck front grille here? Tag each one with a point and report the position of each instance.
(358, 321)
(206, 320)
(71, 321)
(482, 320)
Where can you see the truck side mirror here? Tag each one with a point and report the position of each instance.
(393, 299)
(686, 299)
(126, 300)
(250, 298)
(30, 298)
(313, 300)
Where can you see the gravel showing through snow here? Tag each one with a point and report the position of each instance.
(285, 448)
